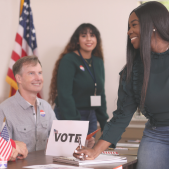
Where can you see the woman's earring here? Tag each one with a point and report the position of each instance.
(154, 30)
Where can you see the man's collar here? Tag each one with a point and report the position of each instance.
(37, 102)
(23, 103)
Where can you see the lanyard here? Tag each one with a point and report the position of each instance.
(93, 77)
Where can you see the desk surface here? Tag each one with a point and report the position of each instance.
(39, 158)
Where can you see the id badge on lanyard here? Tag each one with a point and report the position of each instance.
(95, 100)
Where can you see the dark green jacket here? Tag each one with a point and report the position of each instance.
(75, 86)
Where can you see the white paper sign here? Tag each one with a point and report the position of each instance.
(63, 139)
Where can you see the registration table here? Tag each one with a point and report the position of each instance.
(39, 158)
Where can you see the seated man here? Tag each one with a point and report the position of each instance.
(28, 118)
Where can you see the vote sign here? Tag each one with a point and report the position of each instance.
(63, 139)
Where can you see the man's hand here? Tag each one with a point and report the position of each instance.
(21, 149)
(14, 154)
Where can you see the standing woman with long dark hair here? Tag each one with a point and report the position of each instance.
(77, 85)
(144, 85)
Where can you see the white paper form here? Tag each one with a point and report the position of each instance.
(54, 166)
(102, 159)
(63, 139)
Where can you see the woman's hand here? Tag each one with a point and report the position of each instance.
(90, 142)
(85, 153)
(90, 154)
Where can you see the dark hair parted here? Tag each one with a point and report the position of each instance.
(73, 46)
(27, 60)
(151, 15)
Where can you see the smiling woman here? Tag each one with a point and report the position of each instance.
(134, 30)
(77, 85)
(144, 84)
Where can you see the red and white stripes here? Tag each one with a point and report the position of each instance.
(110, 152)
(5, 148)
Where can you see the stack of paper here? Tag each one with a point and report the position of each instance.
(54, 166)
(127, 145)
(101, 159)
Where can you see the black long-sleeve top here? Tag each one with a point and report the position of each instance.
(156, 107)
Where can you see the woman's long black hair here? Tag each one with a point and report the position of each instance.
(151, 15)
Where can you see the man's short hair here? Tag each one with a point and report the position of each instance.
(27, 60)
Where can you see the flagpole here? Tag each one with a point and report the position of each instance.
(21, 6)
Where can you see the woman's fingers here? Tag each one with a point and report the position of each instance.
(91, 142)
(84, 154)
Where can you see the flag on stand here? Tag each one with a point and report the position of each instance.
(5, 144)
(25, 42)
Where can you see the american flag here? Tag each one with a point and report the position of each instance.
(25, 42)
(55, 131)
(5, 144)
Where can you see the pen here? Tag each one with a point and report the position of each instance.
(80, 147)
(89, 136)
(80, 144)
(92, 134)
